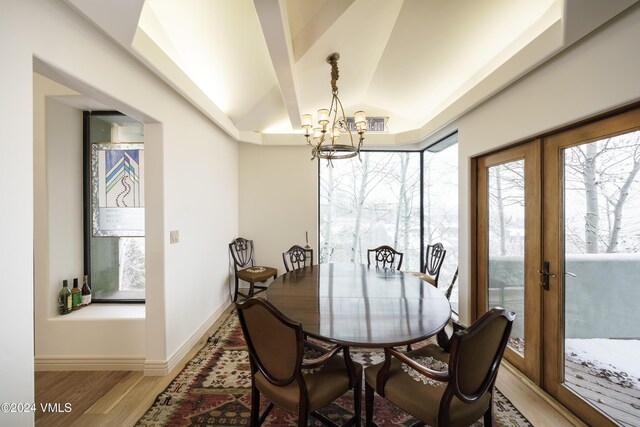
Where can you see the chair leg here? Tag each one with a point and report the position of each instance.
(368, 404)
(235, 293)
(488, 415)
(302, 418)
(255, 406)
(357, 401)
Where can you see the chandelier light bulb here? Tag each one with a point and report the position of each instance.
(323, 117)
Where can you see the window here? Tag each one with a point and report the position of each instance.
(114, 206)
(440, 192)
(377, 201)
(368, 203)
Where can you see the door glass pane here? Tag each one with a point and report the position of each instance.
(506, 244)
(602, 271)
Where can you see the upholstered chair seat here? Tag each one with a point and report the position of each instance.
(323, 385)
(426, 277)
(256, 274)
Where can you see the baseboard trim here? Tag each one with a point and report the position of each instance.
(163, 367)
(89, 363)
(129, 363)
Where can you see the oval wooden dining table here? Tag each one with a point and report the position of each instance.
(360, 305)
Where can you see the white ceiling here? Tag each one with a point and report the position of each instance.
(253, 66)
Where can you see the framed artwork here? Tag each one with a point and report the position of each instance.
(117, 190)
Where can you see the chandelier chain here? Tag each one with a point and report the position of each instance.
(334, 74)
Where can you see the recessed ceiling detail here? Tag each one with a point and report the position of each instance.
(253, 65)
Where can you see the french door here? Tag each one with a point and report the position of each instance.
(558, 242)
(509, 252)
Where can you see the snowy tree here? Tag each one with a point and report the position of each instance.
(603, 173)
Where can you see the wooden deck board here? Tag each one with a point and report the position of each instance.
(601, 385)
(608, 396)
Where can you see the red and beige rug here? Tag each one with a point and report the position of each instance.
(214, 389)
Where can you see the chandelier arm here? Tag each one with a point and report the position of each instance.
(335, 102)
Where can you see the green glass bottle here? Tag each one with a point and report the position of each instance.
(64, 298)
(76, 295)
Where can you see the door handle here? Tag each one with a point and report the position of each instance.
(544, 275)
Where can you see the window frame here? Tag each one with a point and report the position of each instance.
(86, 202)
(445, 139)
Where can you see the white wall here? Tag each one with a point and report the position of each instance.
(63, 179)
(192, 184)
(278, 200)
(201, 201)
(16, 222)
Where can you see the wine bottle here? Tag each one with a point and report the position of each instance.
(64, 298)
(76, 295)
(86, 291)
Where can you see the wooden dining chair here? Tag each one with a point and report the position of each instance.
(447, 293)
(443, 388)
(434, 258)
(280, 371)
(385, 257)
(243, 265)
(297, 257)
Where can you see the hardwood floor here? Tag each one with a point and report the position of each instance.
(105, 398)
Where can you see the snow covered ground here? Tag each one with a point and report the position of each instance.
(612, 354)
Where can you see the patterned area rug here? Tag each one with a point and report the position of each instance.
(214, 389)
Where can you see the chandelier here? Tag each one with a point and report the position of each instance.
(325, 139)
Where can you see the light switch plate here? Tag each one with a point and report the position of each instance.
(174, 236)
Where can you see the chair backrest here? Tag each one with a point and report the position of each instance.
(433, 261)
(275, 342)
(242, 253)
(476, 353)
(385, 256)
(297, 257)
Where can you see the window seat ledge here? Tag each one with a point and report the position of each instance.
(104, 312)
